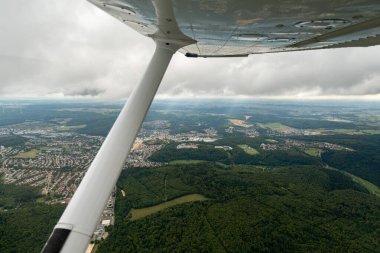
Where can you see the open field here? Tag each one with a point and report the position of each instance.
(251, 169)
(247, 149)
(62, 121)
(349, 131)
(238, 122)
(180, 162)
(30, 154)
(373, 189)
(371, 131)
(368, 185)
(275, 126)
(143, 212)
(68, 128)
(313, 152)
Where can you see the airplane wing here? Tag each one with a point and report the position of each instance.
(241, 27)
(204, 28)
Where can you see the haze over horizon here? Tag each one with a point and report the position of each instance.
(73, 50)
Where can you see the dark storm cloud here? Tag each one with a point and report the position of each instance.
(70, 48)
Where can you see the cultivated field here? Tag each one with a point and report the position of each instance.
(238, 122)
(247, 149)
(143, 212)
(275, 126)
(373, 189)
(181, 162)
(30, 154)
(313, 152)
(69, 128)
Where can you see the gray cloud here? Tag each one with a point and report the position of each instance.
(324, 72)
(70, 48)
(85, 92)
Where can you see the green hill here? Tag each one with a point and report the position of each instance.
(280, 209)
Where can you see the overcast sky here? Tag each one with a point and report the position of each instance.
(72, 49)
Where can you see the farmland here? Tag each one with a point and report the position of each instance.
(136, 214)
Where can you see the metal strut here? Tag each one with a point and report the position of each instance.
(75, 227)
(77, 223)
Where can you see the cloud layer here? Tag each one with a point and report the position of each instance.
(72, 49)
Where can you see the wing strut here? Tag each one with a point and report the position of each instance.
(79, 220)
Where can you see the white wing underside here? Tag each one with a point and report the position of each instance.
(240, 27)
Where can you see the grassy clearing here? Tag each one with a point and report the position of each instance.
(373, 189)
(182, 162)
(68, 128)
(29, 154)
(275, 126)
(62, 121)
(136, 214)
(371, 131)
(238, 122)
(342, 131)
(250, 169)
(247, 149)
(40, 200)
(350, 131)
(316, 152)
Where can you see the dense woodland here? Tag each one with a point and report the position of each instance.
(12, 140)
(283, 209)
(12, 196)
(235, 156)
(203, 152)
(25, 224)
(363, 162)
(27, 228)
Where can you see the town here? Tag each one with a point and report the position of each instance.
(57, 160)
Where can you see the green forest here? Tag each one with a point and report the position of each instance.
(27, 228)
(363, 162)
(12, 196)
(25, 224)
(235, 156)
(12, 140)
(250, 209)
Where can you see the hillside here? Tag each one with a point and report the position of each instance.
(281, 209)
